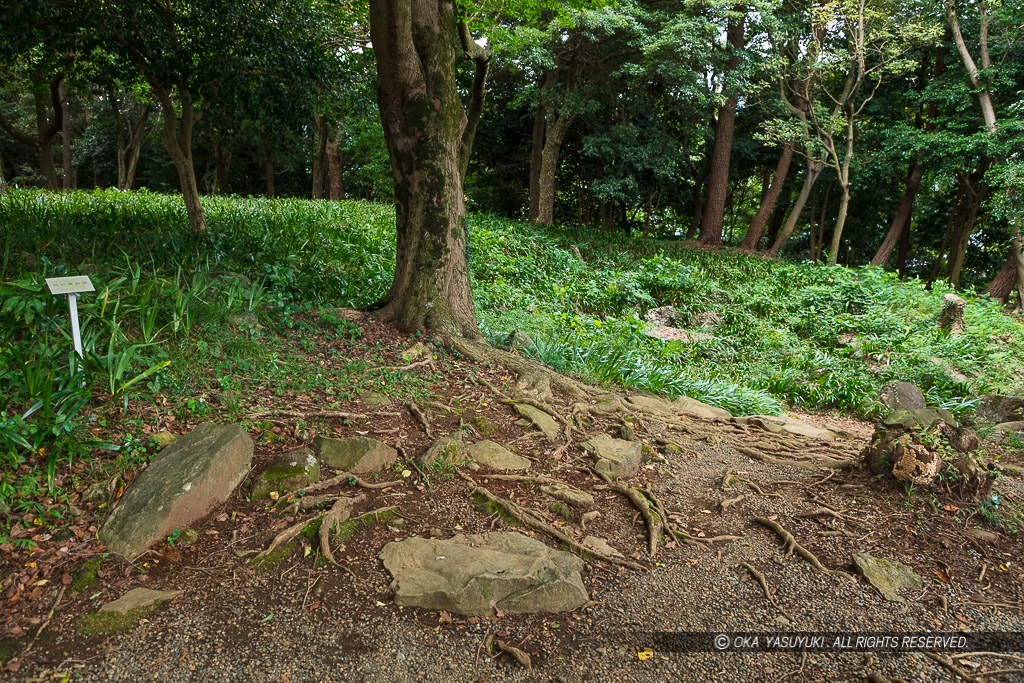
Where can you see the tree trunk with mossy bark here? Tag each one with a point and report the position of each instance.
(424, 129)
(177, 140)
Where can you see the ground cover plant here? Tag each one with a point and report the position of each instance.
(172, 305)
(242, 324)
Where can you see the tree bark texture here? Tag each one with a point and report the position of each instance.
(756, 229)
(335, 172)
(319, 156)
(536, 157)
(555, 131)
(423, 121)
(177, 140)
(718, 180)
(68, 177)
(814, 169)
(965, 217)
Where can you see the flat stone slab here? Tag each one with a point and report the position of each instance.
(541, 420)
(600, 545)
(887, 576)
(568, 494)
(649, 404)
(288, 472)
(191, 476)
(357, 454)
(138, 597)
(614, 457)
(921, 417)
(449, 450)
(480, 573)
(498, 457)
(685, 405)
(787, 425)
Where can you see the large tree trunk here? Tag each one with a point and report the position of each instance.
(536, 157)
(268, 161)
(756, 229)
(1010, 276)
(68, 178)
(698, 206)
(901, 222)
(814, 169)
(423, 123)
(46, 129)
(718, 181)
(222, 167)
(554, 134)
(177, 140)
(46, 165)
(335, 172)
(974, 191)
(319, 156)
(837, 231)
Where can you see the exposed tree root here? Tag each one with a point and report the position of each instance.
(485, 353)
(405, 456)
(339, 513)
(816, 462)
(286, 536)
(654, 521)
(410, 366)
(534, 521)
(516, 654)
(547, 481)
(307, 413)
(764, 584)
(792, 546)
(418, 414)
(346, 476)
(825, 512)
(725, 504)
(950, 666)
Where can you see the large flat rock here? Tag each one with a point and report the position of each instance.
(191, 476)
(498, 457)
(480, 573)
(614, 457)
(356, 454)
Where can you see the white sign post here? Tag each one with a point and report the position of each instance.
(72, 287)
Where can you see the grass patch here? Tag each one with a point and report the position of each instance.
(273, 559)
(85, 576)
(111, 622)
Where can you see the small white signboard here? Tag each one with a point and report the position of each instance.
(69, 285)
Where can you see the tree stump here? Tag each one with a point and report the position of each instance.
(952, 315)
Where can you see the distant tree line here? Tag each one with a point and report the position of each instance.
(843, 131)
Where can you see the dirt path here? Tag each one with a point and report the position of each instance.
(296, 622)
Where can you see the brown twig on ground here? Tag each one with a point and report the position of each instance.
(343, 477)
(418, 414)
(338, 514)
(405, 456)
(516, 653)
(725, 504)
(760, 579)
(534, 521)
(403, 368)
(792, 546)
(825, 512)
(524, 478)
(308, 413)
(950, 666)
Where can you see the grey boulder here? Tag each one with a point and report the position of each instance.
(481, 573)
(614, 457)
(288, 472)
(897, 395)
(887, 576)
(496, 456)
(358, 454)
(191, 476)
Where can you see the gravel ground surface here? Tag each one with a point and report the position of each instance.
(296, 622)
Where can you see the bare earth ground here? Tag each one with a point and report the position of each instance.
(300, 623)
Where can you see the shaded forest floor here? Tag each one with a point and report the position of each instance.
(296, 621)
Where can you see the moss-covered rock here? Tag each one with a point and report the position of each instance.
(287, 473)
(272, 560)
(358, 455)
(483, 425)
(448, 450)
(85, 577)
(109, 623)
